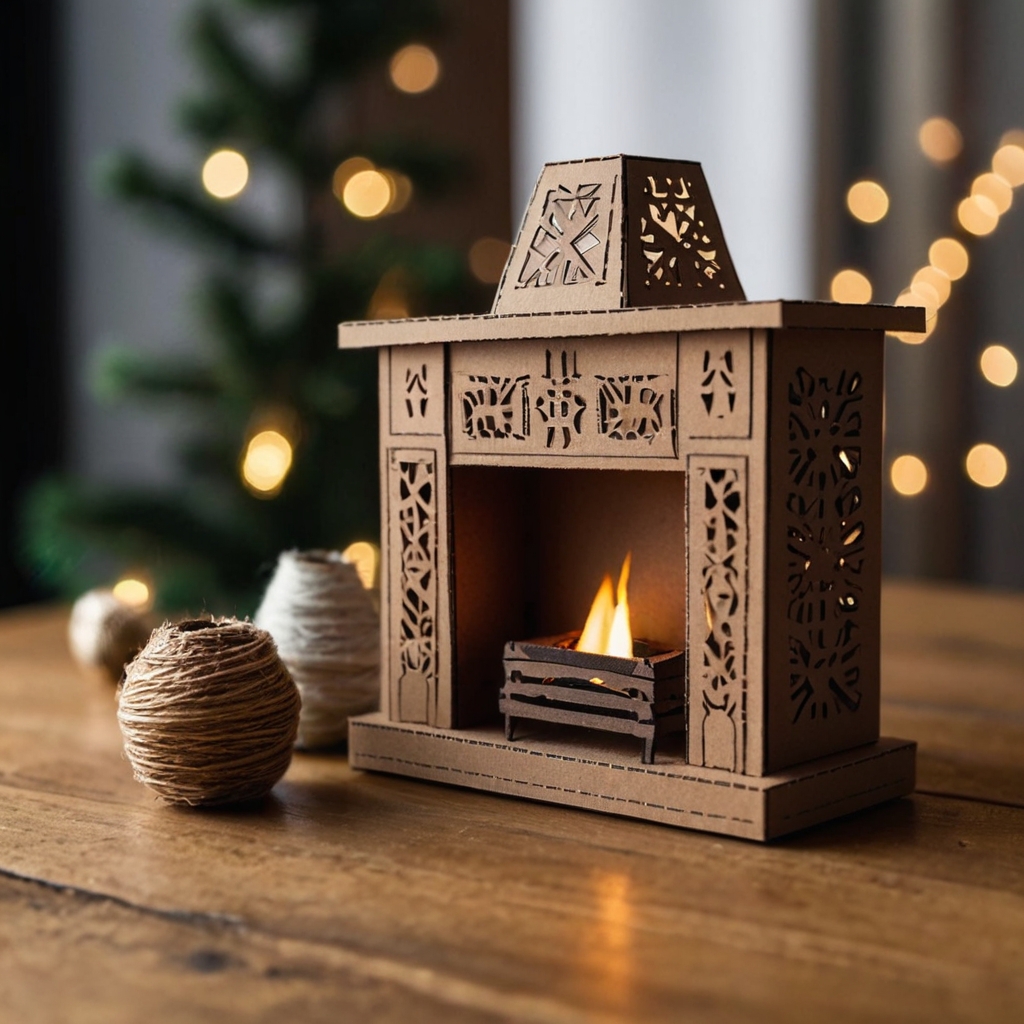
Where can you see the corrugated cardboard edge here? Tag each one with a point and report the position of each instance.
(646, 320)
(676, 794)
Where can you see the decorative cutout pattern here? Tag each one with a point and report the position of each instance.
(825, 548)
(676, 244)
(416, 393)
(715, 384)
(718, 535)
(417, 390)
(630, 408)
(496, 408)
(570, 242)
(561, 405)
(415, 512)
(541, 399)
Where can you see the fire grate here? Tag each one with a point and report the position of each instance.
(549, 680)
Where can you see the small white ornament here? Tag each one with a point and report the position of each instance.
(105, 633)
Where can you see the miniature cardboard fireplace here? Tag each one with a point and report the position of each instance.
(622, 399)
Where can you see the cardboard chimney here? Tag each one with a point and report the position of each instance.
(622, 397)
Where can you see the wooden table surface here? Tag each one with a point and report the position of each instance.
(351, 896)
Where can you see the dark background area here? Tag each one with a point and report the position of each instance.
(880, 67)
(31, 379)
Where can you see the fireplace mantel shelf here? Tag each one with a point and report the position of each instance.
(777, 314)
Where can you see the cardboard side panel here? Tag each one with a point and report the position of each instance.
(674, 244)
(384, 414)
(884, 771)
(715, 384)
(718, 533)
(823, 543)
(569, 251)
(417, 633)
(594, 397)
(757, 519)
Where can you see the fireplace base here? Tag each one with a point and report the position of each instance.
(601, 773)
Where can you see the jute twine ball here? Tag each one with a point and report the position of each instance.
(104, 633)
(328, 634)
(208, 713)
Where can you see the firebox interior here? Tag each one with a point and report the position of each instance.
(531, 547)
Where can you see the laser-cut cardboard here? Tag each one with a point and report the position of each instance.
(733, 447)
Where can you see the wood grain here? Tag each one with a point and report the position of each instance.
(351, 896)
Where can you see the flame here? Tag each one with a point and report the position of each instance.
(607, 630)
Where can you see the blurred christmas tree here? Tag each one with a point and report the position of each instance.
(283, 452)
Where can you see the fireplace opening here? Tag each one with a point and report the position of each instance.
(531, 547)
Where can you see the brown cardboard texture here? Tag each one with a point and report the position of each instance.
(731, 449)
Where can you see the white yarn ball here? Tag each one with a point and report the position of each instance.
(327, 631)
(104, 633)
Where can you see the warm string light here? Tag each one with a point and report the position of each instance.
(414, 69)
(909, 475)
(225, 174)
(390, 299)
(867, 201)
(367, 191)
(366, 559)
(487, 258)
(940, 140)
(132, 591)
(978, 214)
(999, 366)
(266, 463)
(986, 465)
(850, 286)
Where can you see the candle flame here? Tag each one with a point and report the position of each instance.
(607, 630)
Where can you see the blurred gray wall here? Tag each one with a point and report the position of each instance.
(126, 284)
(726, 82)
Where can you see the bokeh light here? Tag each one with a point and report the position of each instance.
(268, 458)
(401, 191)
(345, 170)
(851, 286)
(978, 215)
(367, 194)
(949, 256)
(940, 140)
(986, 465)
(390, 299)
(999, 366)
(132, 591)
(918, 297)
(994, 187)
(909, 475)
(415, 68)
(487, 258)
(1008, 163)
(225, 173)
(366, 559)
(937, 280)
(867, 201)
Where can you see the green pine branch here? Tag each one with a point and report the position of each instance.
(176, 203)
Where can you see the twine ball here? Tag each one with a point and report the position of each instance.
(104, 633)
(208, 713)
(327, 631)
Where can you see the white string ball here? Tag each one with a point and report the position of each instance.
(208, 713)
(327, 631)
(105, 633)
